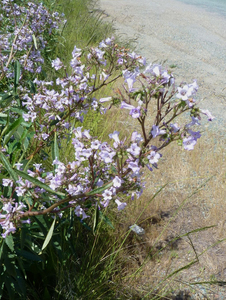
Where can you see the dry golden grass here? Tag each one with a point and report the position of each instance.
(194, 197)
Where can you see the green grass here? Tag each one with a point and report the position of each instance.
(84, 26)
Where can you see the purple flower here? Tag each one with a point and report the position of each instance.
(184, 93)
(9, 227)
(107, 195)
(153, 157)
(74, 190)
(194, 85)
(55, 182)
(38, 167)
(117, 182)
(102, 100)
(115, 137)
(80, 212)
(135, 112)
(156, 131)
(130, 78)
(134, 149)
(76, 52)
(174, 127)
(189, 143)
(7, 182)
(45, 136)
(127, 106)
(57, 64)
(208, 114)
(195, 134)
(18, 166)
(134, 167)
(104, 76)
(74, 62)
(107, 156)
(136, 137)
(195, 121)
(20, 191)
(121, 205)
(95, 144)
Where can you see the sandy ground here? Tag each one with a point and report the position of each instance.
(186, 36)
(195, 41)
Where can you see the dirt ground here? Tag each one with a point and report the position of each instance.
(192, 42)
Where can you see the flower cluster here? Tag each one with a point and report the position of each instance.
(23, 37)
(9, 219)
(99, 173)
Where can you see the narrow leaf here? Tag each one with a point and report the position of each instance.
(35, 41)
(32, 87)
(28, 255)
(8, 167)
(6, 99)
(99, 189)
(96, 219)
(106, 220)
(14, 124)
(16, 73)
(13, 127)
(38, 183)
(55, 148)
(49, 236)
(9, 242)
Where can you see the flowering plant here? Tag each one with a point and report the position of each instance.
(42, 114)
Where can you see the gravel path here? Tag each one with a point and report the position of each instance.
(186, 36)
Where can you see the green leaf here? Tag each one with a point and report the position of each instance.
(5, 129)
(16, 74)
(8, 167)
(32, 87)
(12, 128)
(106, 220)
(9, 283)
(17, 110)
(6, 99)
(9, 262)
(12, 146)
(99, 189)
(55, 148)
(28, 255)
(14, 125)
(38, 183)
(96, 219)
(21, 283)
(35, 41)
(2, 247)
(9, 242)
(49, 236)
